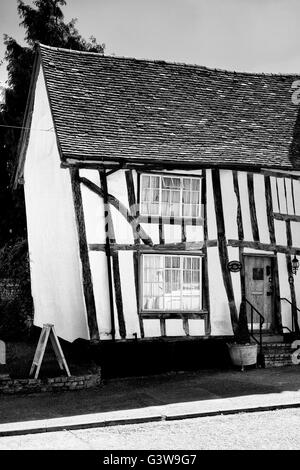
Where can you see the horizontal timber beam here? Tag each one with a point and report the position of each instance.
(278, 174)
(293, 218)
(264, 246)
(189, 247)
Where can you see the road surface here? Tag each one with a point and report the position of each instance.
(279, 429)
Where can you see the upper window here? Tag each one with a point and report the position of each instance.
(171, 283)
(171, 196)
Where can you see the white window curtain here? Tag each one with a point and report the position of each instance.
(172, 283)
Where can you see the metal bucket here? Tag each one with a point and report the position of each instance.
(243, 354)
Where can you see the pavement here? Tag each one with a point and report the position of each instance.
(169, 396)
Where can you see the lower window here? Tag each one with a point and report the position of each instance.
(171, 283)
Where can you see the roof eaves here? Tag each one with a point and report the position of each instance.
(163, 163)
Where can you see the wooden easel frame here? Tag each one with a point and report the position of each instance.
(48, 331)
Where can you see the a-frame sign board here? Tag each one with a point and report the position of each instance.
(48, 331)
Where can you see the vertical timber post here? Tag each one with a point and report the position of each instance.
(84, 256)
(107, 219)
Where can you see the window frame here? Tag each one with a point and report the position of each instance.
(168, 313)
(169, 175)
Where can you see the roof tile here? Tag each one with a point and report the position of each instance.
(140, 110)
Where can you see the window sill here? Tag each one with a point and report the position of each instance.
(201, 314)
(173, 220)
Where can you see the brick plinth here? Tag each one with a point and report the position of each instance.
(55, 384)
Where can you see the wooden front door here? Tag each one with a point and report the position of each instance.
(259, 291)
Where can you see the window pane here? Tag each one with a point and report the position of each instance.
(155, 195)
(195, 211)
(153, 209)
(175, 196)
(171, 283)
(147, 195)
(186, 303)
(195, 185)
(168, 281)
(176, 303)
(155, 181)
(186, 183)
(195, 263)
(195, 277)
(165, 195)
(187, 263)
(175, 210)
(186, 197)
(171, 183)
(195, 198)
(195, 303)
(187, 279)
(145, 181)
(186, 211)
(178, 196)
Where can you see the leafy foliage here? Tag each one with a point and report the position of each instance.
(44, 22)
(16, 314)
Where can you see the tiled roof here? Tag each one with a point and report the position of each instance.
(140, 110)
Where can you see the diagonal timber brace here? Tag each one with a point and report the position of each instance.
(138, 230)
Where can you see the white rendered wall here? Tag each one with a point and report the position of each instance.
(261, 208)
(219, 308)
(52, 234)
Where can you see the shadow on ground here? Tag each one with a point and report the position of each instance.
(137, 377)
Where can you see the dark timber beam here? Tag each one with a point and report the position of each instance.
(278, 174)
(290, 217)
(132, 202)
(115, 261)
(269, 206)
(206, 300)
(252, 207)
(264, 246)
(189, 247)
(109, 234)
(140, 232)
(239, 221)
(222, 245)
(84, 256)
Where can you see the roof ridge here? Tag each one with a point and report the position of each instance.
(161, 61)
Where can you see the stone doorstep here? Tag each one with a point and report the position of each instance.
(279, 363)
(277, 354)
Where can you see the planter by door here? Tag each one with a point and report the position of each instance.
(243, 354)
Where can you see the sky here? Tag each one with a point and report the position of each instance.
(241, 35)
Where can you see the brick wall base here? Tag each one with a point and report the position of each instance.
(54, 384)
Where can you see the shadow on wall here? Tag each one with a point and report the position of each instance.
(130, 358)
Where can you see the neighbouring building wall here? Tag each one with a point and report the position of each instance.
(52, 234)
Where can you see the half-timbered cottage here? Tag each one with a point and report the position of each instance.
(158, 196)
